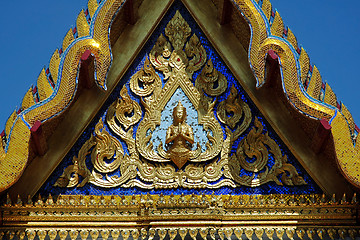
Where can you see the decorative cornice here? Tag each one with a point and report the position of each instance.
(302, 83)
(91, 39)
(314, 215)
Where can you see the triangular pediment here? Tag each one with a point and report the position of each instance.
(205, 122)
(37, 139)
(133, 144)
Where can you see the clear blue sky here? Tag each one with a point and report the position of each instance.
(32, 30)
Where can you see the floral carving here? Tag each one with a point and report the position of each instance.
(252, 154)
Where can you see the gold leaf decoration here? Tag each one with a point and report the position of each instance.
(195, 50)
(68, 39)
(54, 65)
(128, 112)
(232, 110)
(145, 81)
(10, 122)
(211, 81)
(44, 87)
(330, 96)
(292, 39)
(71, 175)
(348, 117)
(253, 146)
(180, 162)
(277, 27)
(304, 65)
(82, 25)
(267, 8)
(92, 6)
(107, 148)
(28, 99)
(159, 55)
(177, 30)
(315, 84)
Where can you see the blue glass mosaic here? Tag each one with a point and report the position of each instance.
(268, 188)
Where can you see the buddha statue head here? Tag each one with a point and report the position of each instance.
(179, 113)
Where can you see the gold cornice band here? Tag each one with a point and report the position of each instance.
(146, 215)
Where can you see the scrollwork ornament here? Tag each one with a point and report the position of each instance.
(211, 81)
(71, 175)
(159, 56)
(128, 112)
(232, 110)
(145, 81)
(107, 147)
(177, 30)
(255, 147)
(196, 51)
(110, 148)
(252, 146)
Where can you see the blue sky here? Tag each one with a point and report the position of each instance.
(32, 30)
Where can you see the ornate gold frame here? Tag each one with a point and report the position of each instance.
(193, 215)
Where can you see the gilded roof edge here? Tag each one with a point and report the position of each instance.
(302, 83)
(53, 97)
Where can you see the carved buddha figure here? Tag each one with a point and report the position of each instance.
(179, 137)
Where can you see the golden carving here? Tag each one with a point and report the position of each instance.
(196, 51)
(147, 166)
(70, 176)
(177, 30)
(128, 112)
(107, 147)
(210, 77)
(159, 55)
(189, 214)
(145, 81)
(231, 110)
(180, 137)
(254, 146)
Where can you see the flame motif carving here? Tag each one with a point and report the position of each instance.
(254, 146)
(148, 167)
(231, 110)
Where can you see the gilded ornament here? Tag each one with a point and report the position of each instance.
(159, 55)
(107, 147)
(189, 214)
(177, 30)
(180, 138)
(196, 51)
(70, 177)
(145, 81)
(231, 111)
(181, 162)
(255, 146)
(211, 81)
(128, 112)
